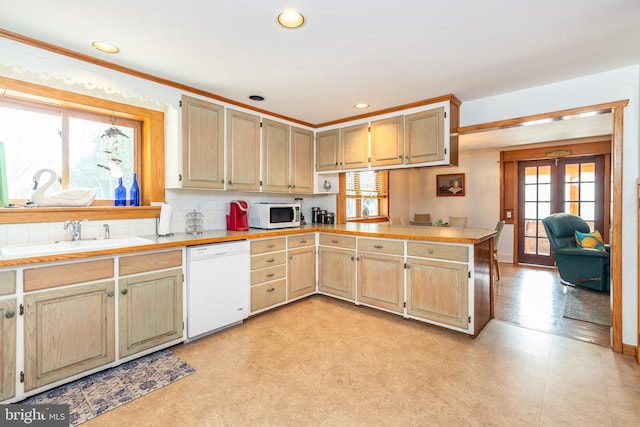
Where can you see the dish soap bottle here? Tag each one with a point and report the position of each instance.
(134, 192)
(120, 194)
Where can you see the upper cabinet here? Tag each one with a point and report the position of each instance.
(275, 156)
(423, 135)
(243, 151)
(301, 160)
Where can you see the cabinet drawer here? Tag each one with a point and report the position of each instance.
(438, 251)
(268, 260)
(271, 273)
(268, 245)
(301, 240)
(337, 240)
(66, 274)
(393, 247)
(268, 294)
(7, 282)
(150, 262)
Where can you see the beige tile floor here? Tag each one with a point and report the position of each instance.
(324, 362)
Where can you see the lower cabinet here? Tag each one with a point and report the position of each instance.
(301, 272)
(150, 310)
(68, 331)
(8, 321)
(438, 291)
(337, 272)
(268, 273)
(381, 281)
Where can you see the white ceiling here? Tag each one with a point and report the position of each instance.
(380, 52)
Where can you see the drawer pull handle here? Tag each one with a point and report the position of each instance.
(377, 246)
(335, 241)
(303, 241)
(271, 260)
(430, 250)
(271, 289)
(9, 314)
(270, 275)
(270, 246)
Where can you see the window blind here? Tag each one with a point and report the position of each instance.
(368, 183)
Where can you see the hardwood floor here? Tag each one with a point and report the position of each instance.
(534, 298)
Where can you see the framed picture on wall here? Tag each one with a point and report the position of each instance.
(450, 184)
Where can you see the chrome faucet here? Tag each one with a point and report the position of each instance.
(76, 229)
(107, 234)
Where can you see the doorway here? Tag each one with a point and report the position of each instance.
(571, 185)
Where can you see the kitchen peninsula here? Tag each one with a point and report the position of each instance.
(436, 275)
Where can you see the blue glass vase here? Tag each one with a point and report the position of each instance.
(134, 192)
(120, 198)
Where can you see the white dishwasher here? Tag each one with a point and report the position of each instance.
(218, 282)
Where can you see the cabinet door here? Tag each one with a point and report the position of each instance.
(301, 270)
(8, 321)
(328, 150)
(438, 291)
(275, 156)
(150, 310)
(67, 332)
(381, 281)
(337, 272)
(301, 160)
(387, 142)
(243, 151)
(202, 144)
(354, 141)
(424, 132)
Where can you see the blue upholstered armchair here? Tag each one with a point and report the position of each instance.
(588, 268)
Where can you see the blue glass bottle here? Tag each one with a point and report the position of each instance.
(134, 192)
(120, 194)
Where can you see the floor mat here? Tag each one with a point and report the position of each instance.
(588, 306)
(103, 391)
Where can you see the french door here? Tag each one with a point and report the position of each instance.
(571, 185)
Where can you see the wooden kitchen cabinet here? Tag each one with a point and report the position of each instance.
(381, 273)
(202, 144)
(8, 321)
(68, 331)
(301, 271)
(354, 147)
(243, 151)
(276, 148)
(328, 150)
(438, 291)
(150, 310)
(301, 160)
(424, 133)
(337, 272)
(387, 141)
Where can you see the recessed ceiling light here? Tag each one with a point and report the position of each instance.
(256, 98)
(361, 105)
(105, 47)
(290, 18)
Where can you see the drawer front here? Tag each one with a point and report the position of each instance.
(268, 245)
(268, 260)
(301, 240)
(268, 294)
(438, 251)
(66, 274)
(7, 282)
(266, 274)
(150, 262)
(392, 247)
(337, 240)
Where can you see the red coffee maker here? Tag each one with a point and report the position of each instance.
(238, 220)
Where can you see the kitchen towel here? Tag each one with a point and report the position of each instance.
(164, 226)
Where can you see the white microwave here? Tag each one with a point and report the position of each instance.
(274, 215)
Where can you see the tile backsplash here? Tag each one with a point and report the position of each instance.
(214, 206)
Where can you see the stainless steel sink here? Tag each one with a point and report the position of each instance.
(18, 251)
